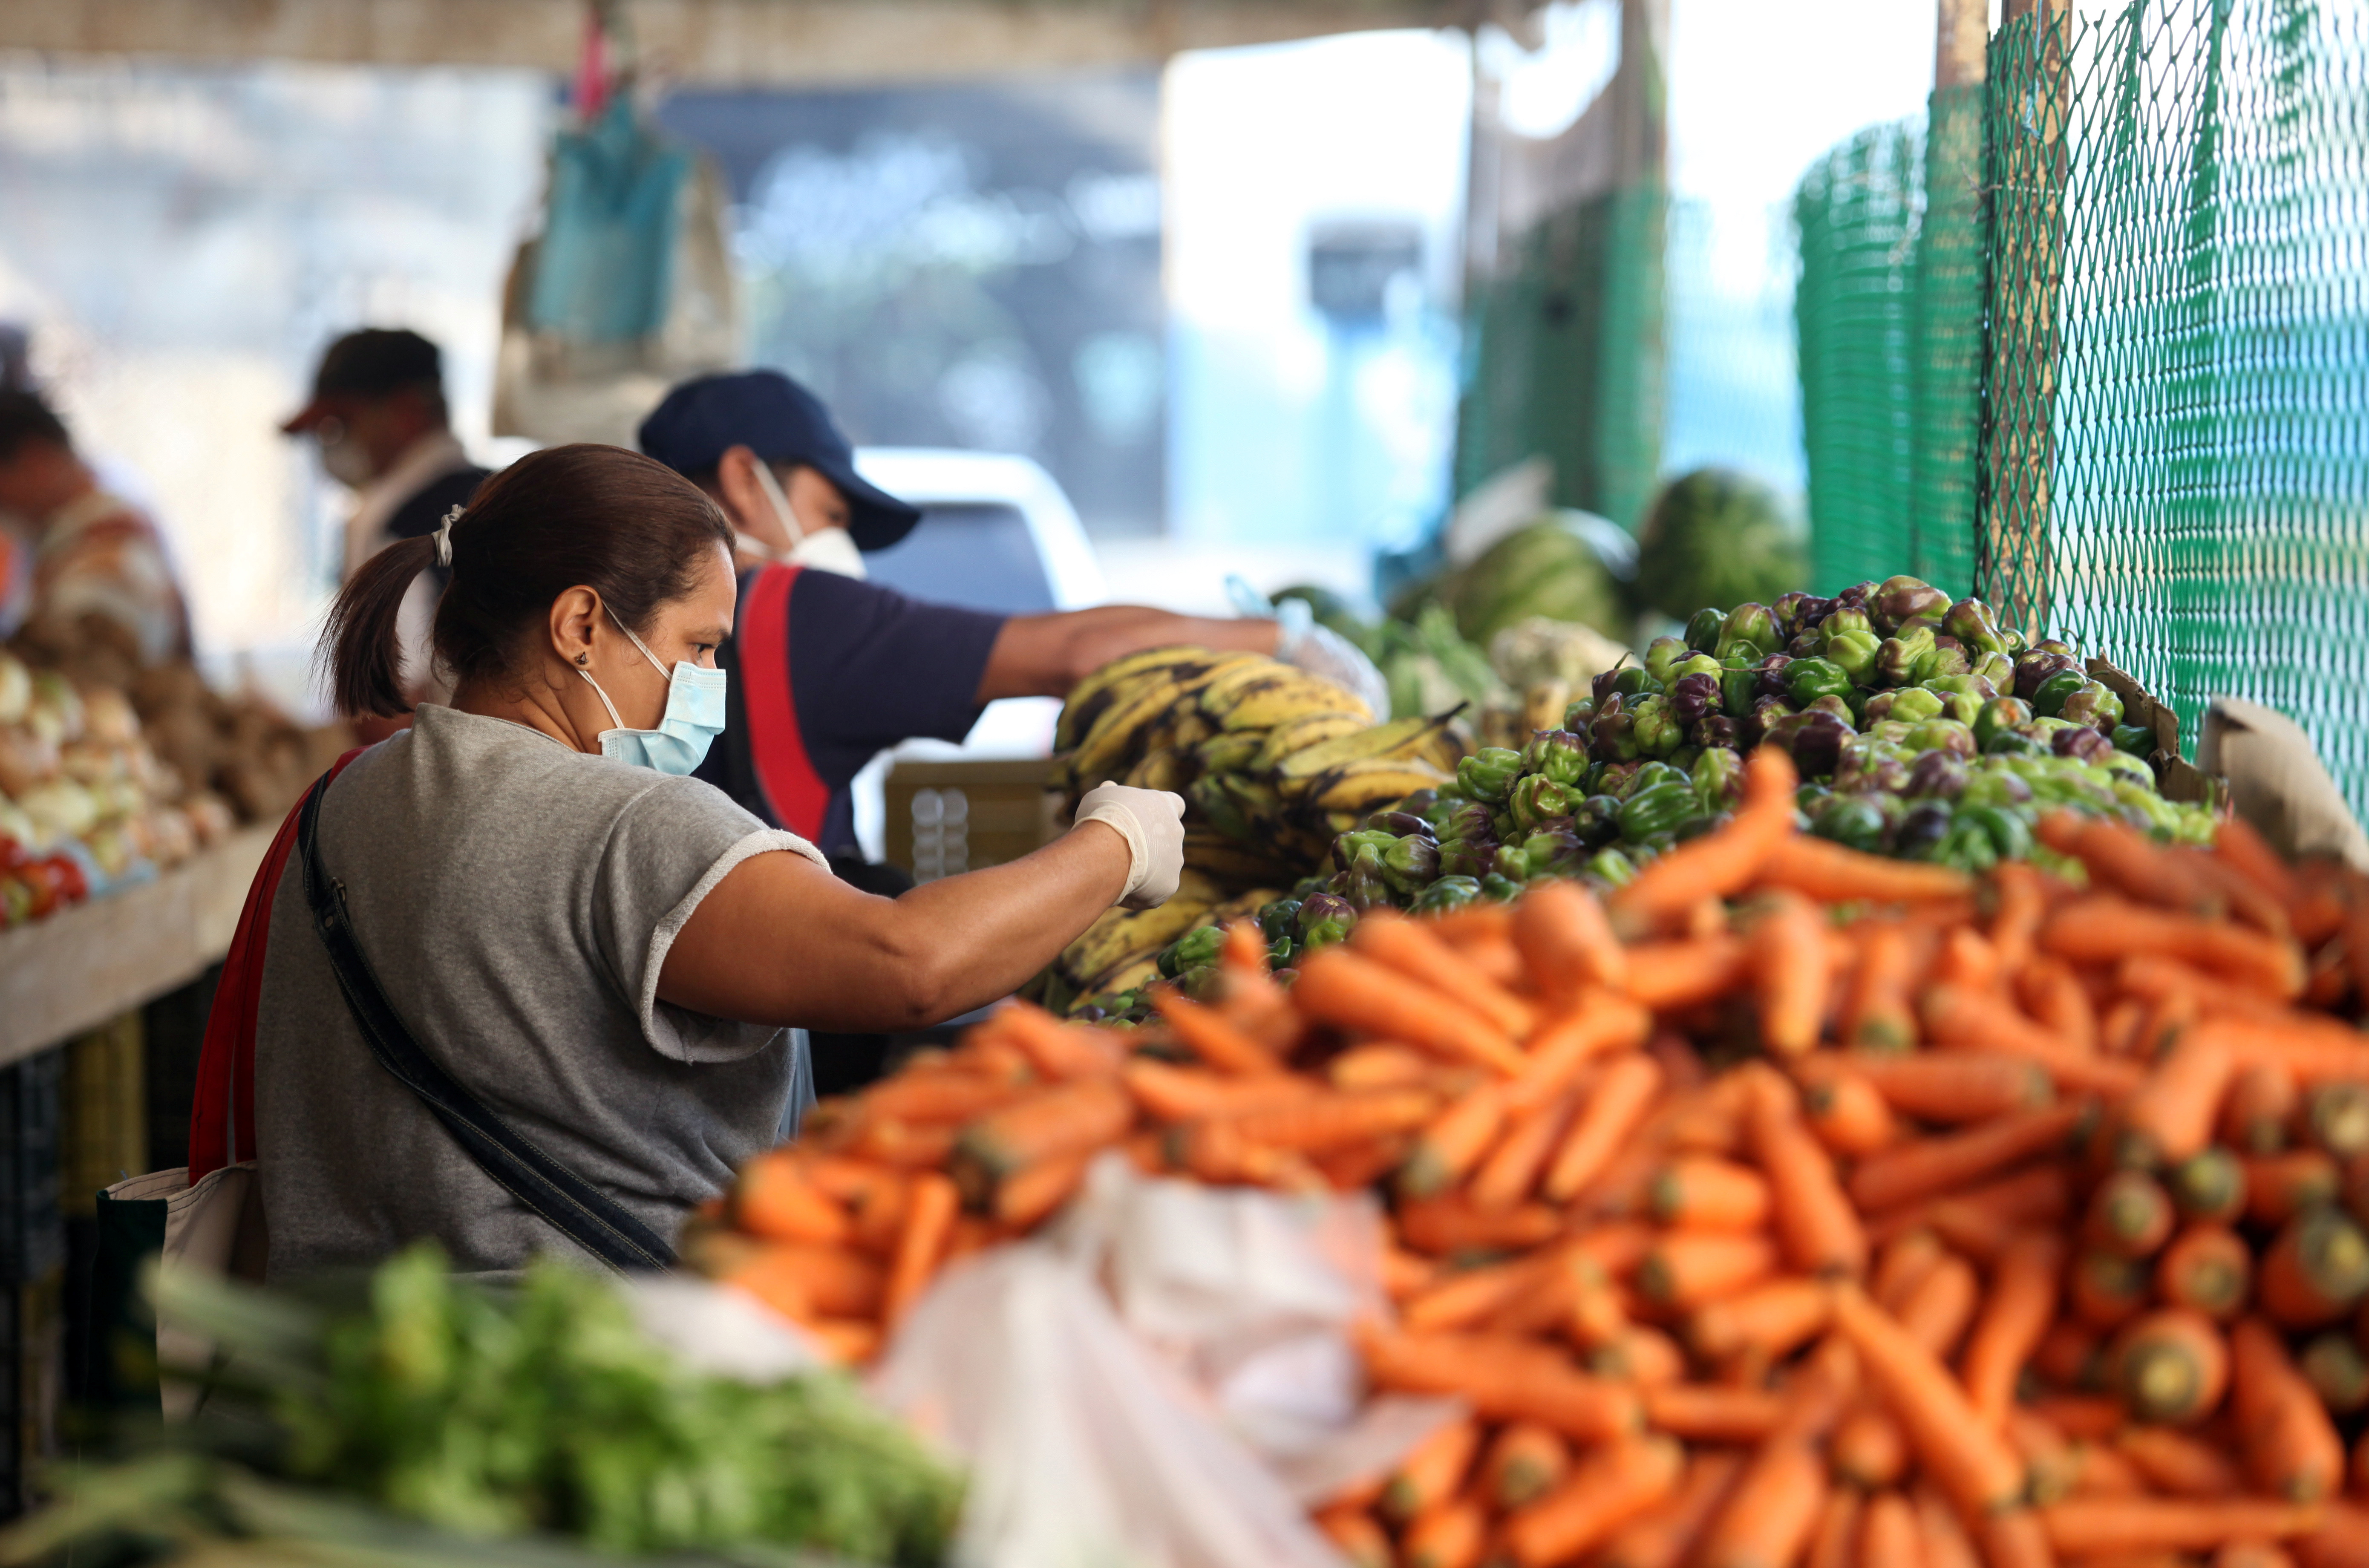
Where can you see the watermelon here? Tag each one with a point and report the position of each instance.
(1717, 538)
(1547, 568)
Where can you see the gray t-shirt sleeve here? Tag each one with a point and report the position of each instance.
(669, 849)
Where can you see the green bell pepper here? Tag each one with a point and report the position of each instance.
(1447, 893)
(1859, 653)
(1909, 704)
(1656, 727)
(1753, 624)
(1410, 864)
(1277, 919)
(1703, 632)
(1942, 734)
(1348, 846)
(1693, 664)
(1500, 889)
(1489, 773)
(1999, 714)
(1851, 820)
(1718, 778)
(1900, 660)
(1537, 798)
(1635, 680)
(1611, 866)
(2137, 740)
(1191, 951)
(1738, 690)
(2094, 705)
(1807, 679)
(1658, 810)
(1556, 754)
(1661, 654)
(1970, 622)
(2049, 701)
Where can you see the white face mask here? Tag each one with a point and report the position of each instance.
(824, 549)
(344, 458)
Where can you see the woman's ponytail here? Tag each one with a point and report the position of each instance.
(363, 637)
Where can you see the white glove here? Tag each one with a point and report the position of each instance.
(1152, 823)
(1321, 651)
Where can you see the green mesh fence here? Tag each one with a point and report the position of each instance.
(2177, 411)
(1564, 350)
(1888, 311)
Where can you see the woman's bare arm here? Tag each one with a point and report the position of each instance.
(781, 941)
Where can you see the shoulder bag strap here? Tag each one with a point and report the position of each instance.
(587, 1216)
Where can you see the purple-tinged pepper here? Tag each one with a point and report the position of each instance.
(2036, 666)
(1537, 798)
(1612, 737)
(1814, 739)
(2094, 705)
(1939, 774)
(1904, 602)
(1693, 698)
(2081, 744)
(1714, 732)
(1323, 920)
(1970, 621)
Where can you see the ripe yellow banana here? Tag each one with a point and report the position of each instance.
(1373, 785)
(1401, 740)
(1118, 680)
(1166, 768)
(1130, 976)
(1119, 935)
(1299, 734)
(1229, 751)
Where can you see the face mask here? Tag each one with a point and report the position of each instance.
(344, 458)
(825, 549)
(694, 717)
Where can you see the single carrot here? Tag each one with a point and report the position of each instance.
(1083, 1114)
(772, 1197)
(2178, 1462)
(1960, 1019)
(1815, 1223)
(1876, 1013)
(1475, 924)
(2207, 1269)
(1788, 947)
(1773, 1319)
(1454, 1142)
(2089, 1418)
(939, 1096)
(1348, 991)
(1834, 1539)
(2054, 996)
(1443, 1225)
(2091, 1526)
(1687, 1268)
(806, 1282)
(2245, 851)
(1941, 1536)
(2106, 1288)
(1059, 1050)
(1921, 1169)
(1639, 1355)
(1216, 1152)
(2125, 860)
(1903, 1264)
(929, 1218)
(2291, 1448)
(1846, 1112)
(1832, 875)
(1960, 1452)
(1465, 1296)
(1888, 1534)
(1983, 1220)
(2130, 1215)
(2208, 1185)
(1665, 1535)
(906, 1146)
(1602, 1021)
(1512, 1169)
(1953, 1087)
(1331, 1120)
(1767, 1520)
(1718, 866)
(1024, 1197)
(1702, 1193)
(2154, 978)
(1412, 949)
(2102, 929)
(1713, 1413)
(1379, 1065)
(2015, 1538)
(1358, 1538)
(1404, 1275)
(2169, 1116)
(1433, 1470)
(2018, 905)
(1869, 1449)
(1525, 1460)
(2171, 1366)
(1604, 1491)
(2315, 1272)
(1966, 960)
(2016, 1313)
(1213, 1038)
(2279, 1186)
(2053, 1463)
(1503, 1378)
(1565, 941)
(2260, 1107)
(1449, 1536)
(1938, 1312)
(1670, 977)
(1620, 1099)
(1185, 1093)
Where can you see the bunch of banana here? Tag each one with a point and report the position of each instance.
(1120, 951)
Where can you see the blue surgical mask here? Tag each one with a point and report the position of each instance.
(693, 718)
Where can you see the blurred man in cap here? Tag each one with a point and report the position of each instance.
(378, 418)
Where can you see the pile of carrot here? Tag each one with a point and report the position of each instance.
(1788, 1207)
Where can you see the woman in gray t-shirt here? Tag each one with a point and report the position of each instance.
(608, 954)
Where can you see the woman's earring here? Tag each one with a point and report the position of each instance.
(582, 657)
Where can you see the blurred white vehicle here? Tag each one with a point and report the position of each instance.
(996, 533)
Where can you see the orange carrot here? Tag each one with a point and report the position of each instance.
(1903, 1264)
(2336, 1118)
(1921, 1169)
(2279, 1186)
(2072, 1354)
(1379, 1066)
(1773, 1319)
(1026, 1197)
(1713, 1413)
(929, 1218)
(2106, 1288)
(1665, 1535)
(1815, 1223)
(1832, 875)
(2245, 851)
(2130, 1215)
(1524, 1461)
(772, 1197)
(1565, 941)
(1703, 1193)
(1433, 1470)
(2091, 1526)
(2315, 1272)
(1358, 1538)
(1788, 947)
(1960, 1019)
(2171, 1365)
(1869, 1449)
(1214, 1040)
(2252, 1554)
(1635, 1353)
(1444, 1225)
(1405, 1276)
(846, 1342)
(1846, 1112)
(1876, 1011)
(1601, 1023)
(950, 1095)
(1955, 1086)
(1889, 1536)
(1604, 1491)
(1449, 1536)
(1966, 960)
(2262, 1103)
(1670, 977)
(1512, 1169)
(2054, 996)
(2121, 858)
(1323, 1121)
(2091, 1418)
(1350, 991)
(1621, 1097)
(1767, 1520)
(1083, 1114)
(2169, 1116)
(2208, 1185)
(2291, 1448)
(1686, 1269)
(1719, 865)
(908, 1146)
(1940, 1537)
(806, 1282)
(1503, 1378)
(2102, 929)
(1185, 1093)
(2020, 905)
(1833, 1539)
(2016, 1313)
(2207, 1269)
(1412, 948)
(2015, 1538)
(2178, 1462)
(1982, 1221)
(1464, 1298)
(1454, 1142)
(1059, 1050)
(1963, 1454)
(1938, 1311)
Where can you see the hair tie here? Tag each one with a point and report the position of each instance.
(444, 536)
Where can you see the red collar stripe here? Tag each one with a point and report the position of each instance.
(777, 751)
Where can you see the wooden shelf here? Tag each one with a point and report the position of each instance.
(91, 963)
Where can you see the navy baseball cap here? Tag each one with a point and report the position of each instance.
(370, 363)
(780, 422)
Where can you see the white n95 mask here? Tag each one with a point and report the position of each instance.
(824, 549)
(693, 717)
